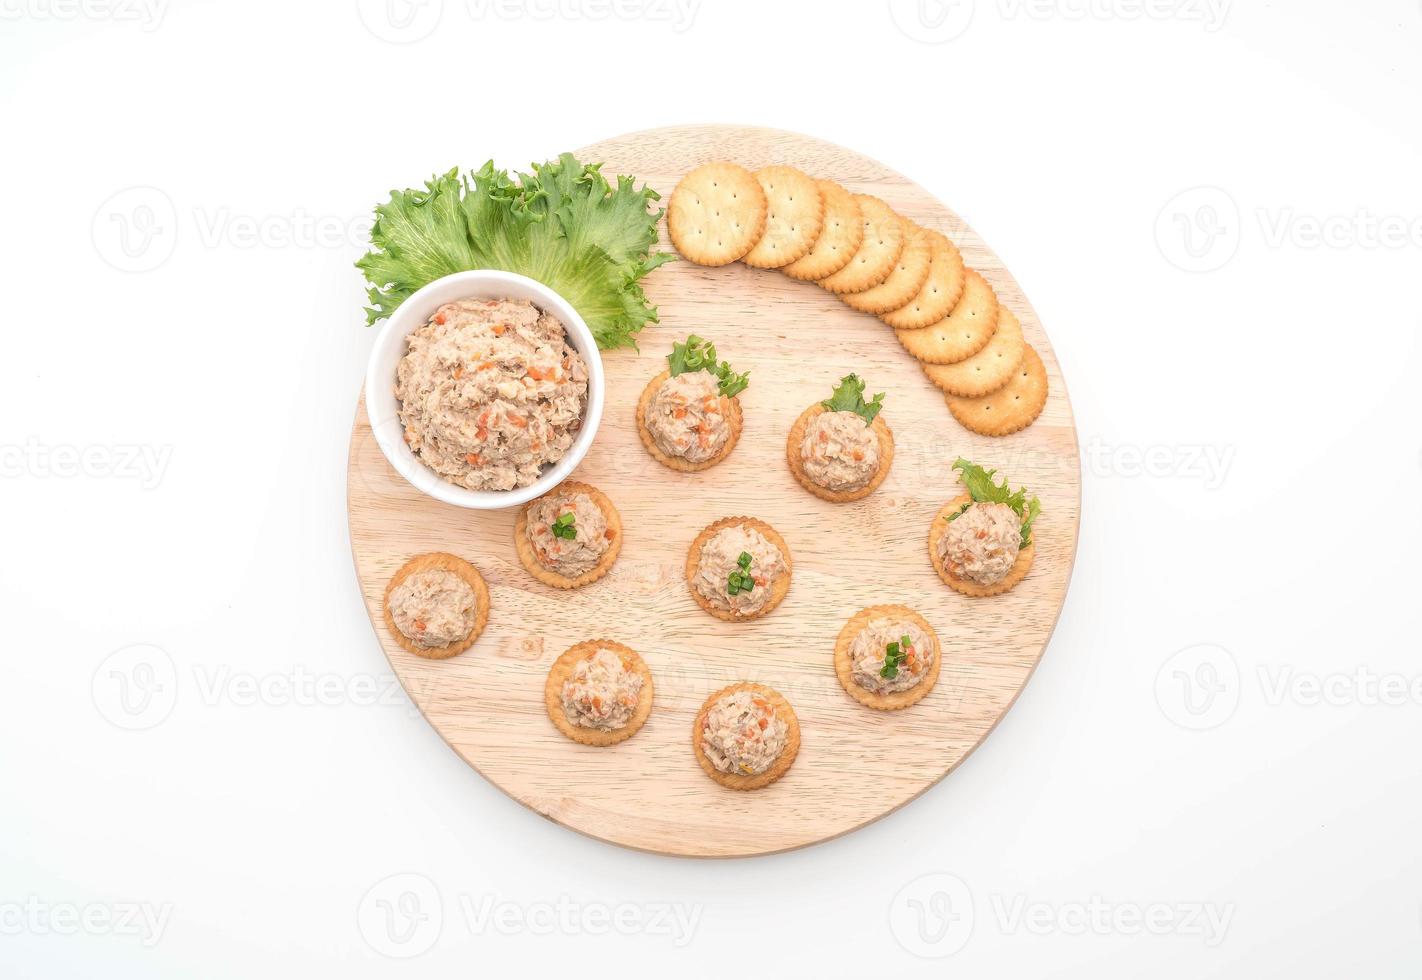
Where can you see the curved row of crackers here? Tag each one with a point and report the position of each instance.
(876, 261)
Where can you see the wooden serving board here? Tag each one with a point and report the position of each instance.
(855, 765)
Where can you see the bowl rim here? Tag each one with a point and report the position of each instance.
(382, 410)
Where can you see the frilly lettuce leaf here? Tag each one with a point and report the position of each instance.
(562, 225)
(849, 397)
(980, 486)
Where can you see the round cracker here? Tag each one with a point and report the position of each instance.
(524, 546)
(840, 236)
(940, 292)
(797, 465)
(884, 236)
(778, 588)
(904, 282)
(939, 527)
(844, 666)
(960, 334)
(562, 669)
(449, 563)
(778, 768)
(1012, 407)
(716, 214)
(987, 370)
(795, 213)
(730, 406)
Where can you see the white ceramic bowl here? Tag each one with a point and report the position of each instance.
(382, 408)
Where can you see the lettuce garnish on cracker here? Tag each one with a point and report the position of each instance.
(849, 397)
(700, 355)
(563, 225)
(980, 486)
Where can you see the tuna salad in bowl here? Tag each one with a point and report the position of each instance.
(484, 389)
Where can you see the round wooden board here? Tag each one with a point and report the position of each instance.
(855, 765)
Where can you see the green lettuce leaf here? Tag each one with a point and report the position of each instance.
(562, 225)
(700, 355)
(981, 487)
(849, 397)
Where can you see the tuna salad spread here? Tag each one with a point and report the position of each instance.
(490, 392)
(840, 451)
(568, 532)
(891, 655)
(434, 608)
(742, 734)
(687, 418)
(981, 543)
(738, 565)
(601, 693)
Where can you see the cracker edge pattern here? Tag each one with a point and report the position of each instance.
(1033, 362)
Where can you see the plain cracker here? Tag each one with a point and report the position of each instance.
(839, 239)
(794, 216)
(960, 334)
(716, 214)
(1012, 407)
(884, 236)
(987, 370)
(940, 292)
(903, 283)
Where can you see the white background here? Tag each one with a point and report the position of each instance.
(1171, 797)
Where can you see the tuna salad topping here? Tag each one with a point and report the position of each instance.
(840, 451)
(981, 543)
(742, 734)
(569, 533)
(490, 392)
(434, 608)
(601, 692)
(737, 568)
(891, 655)
(687, 417)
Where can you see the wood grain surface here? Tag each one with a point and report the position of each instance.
(855, 765)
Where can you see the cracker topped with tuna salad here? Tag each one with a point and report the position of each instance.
(598, 692)
(490, 392)
(688, 416)
(738, 568)
(887, 657)
(569, 537)
(436, 605)
(841, 449)
(981, 542)
(746, 736)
